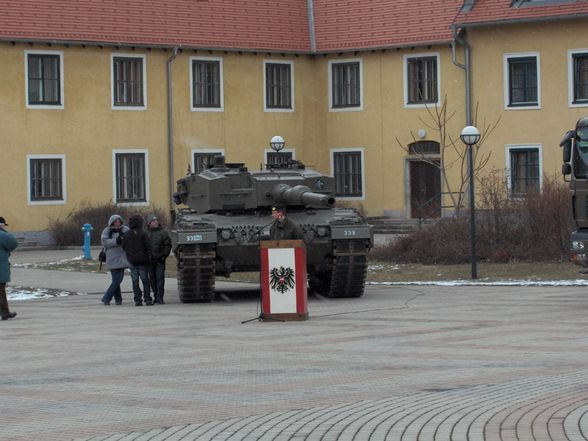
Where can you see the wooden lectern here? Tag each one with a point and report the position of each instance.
(283, 280)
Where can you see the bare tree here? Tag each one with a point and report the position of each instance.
(437, 121)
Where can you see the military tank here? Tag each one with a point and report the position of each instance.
(224, 211)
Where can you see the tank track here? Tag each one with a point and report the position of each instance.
(196, 270)
(348, 271)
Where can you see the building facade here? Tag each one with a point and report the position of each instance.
(119, 108)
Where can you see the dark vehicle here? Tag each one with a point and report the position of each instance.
(229, 211)
(575, 166)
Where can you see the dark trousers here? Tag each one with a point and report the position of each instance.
(4, 311)
(140, 272)
(157, 280)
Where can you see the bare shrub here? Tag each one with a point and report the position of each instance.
(534, 227)
(67, 231)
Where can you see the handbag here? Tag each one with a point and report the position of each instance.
(102, 257)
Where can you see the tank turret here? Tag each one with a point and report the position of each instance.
(226, 210)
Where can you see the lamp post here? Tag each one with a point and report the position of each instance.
(470, 137)
(277, 143)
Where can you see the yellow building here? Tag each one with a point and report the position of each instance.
(87, 117)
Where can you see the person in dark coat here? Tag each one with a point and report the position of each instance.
(7, 244)
(160, 248)
(116, 260)
(138, 249)
(283, 228)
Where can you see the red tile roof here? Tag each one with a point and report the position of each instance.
(278, 25)
(351, 24)
(229, 24)
(492, 11)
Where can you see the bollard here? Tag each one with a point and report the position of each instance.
(87, 228)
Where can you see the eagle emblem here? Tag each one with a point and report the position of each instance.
(282, 279)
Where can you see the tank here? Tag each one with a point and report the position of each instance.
(224, 212)
(575, 170)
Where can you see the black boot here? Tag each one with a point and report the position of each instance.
(9, 316)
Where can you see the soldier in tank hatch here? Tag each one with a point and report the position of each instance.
(283, 228)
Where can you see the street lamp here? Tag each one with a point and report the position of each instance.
(277, 143)
(471, 136)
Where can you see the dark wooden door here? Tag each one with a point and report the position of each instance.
(425, 185)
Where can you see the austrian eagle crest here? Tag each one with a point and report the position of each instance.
(282, 279)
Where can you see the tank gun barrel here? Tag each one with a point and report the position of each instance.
(300, 194)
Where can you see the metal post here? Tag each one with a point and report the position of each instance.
(472, 212)
(87, 228)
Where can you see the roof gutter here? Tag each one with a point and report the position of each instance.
(466, 66)
(170, 129)
(310, 8)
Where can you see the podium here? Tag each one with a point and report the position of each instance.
(283, 280)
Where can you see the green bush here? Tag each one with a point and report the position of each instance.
(67, 231)
(534, 227)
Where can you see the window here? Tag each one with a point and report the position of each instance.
(46, 179)
(130, 177)
(578, 77)
(278, 86)
(44, 82)
(202, 159)
(277, 158)
(422, 83)
(206, 83)
(525, 170)
(128, 81)
(345, 84)
(522, 80)
(347, 169)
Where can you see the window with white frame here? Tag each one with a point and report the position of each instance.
(206, 83)
(521, 76)
(44, 82)
(347, 170)
(278, 158)
(421, 79)
(46, 178)
(346, 84)
(203, 159)
(578, 77)
(130, 174)
(128, 81)
(524, 169)
(278, 85)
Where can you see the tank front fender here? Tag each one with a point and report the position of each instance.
(193, 237)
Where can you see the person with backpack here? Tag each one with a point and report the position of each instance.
(138, 249)
(160, 248)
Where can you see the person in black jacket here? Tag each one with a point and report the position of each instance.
(283, 228)
(138, 249)
(160, 249)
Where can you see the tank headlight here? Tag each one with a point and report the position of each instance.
(577, 245)
(226, 234)
(322, 231)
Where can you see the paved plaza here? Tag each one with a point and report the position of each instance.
(400, 363)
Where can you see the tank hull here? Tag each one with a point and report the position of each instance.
(208, 245)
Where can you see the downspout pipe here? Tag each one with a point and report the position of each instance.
(466, 66)
(170, 129)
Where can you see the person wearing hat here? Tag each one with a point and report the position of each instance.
(160, 248)
(283, 228)
(7, 244)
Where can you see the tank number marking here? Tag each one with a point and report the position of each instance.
(349, 233)
(194, 238)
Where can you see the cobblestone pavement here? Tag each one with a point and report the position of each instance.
(401, 363)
